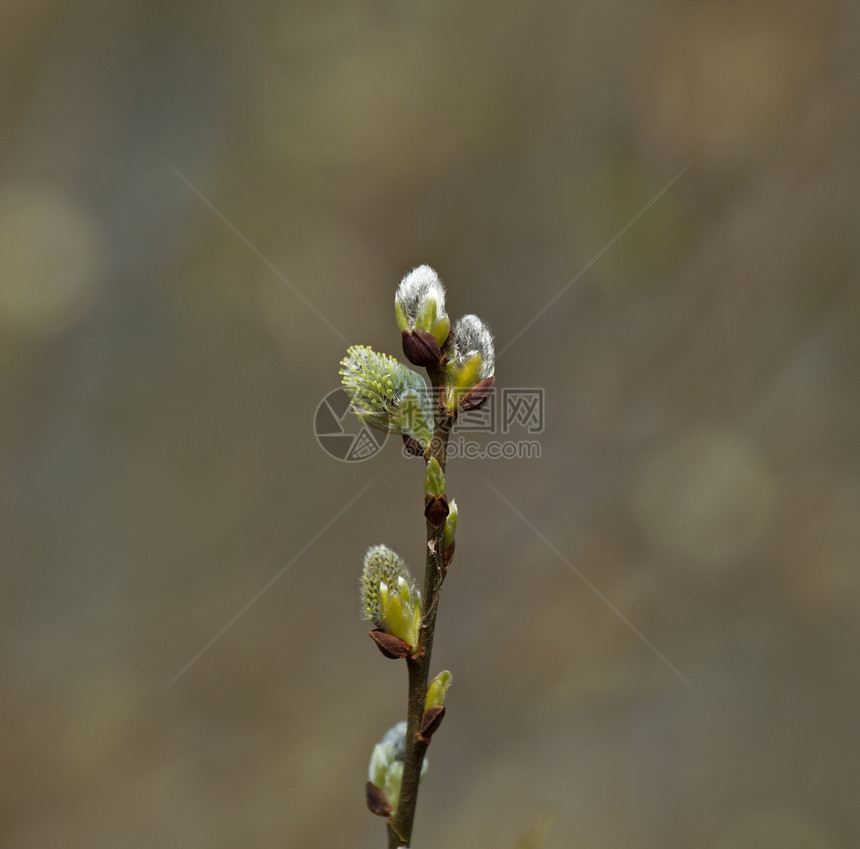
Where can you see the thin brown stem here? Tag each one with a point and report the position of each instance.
(401, 823)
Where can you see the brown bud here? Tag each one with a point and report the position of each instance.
(477, 396)
(430, 722)
(376, 801)
(412, 446)
(421, 348)
(448, 555)
(436, 510)
(392, 647)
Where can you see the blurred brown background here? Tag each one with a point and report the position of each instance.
(699, 465)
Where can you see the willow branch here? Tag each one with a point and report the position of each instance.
(400, 825)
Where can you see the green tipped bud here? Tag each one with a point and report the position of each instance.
(472, 360)
(472, 336)
(471, 364)
(415, 418)
(419, 304)
(434, 479)
(386, 764)
(378, 385)
(437, 690)
(450, 526)
(389, 597)
(435, 502)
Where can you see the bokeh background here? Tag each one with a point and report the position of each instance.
(158, 382)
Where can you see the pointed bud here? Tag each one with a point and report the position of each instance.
(434, 705)
(450, 526)
(419, 303)
(438, 689)
(434, 478)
